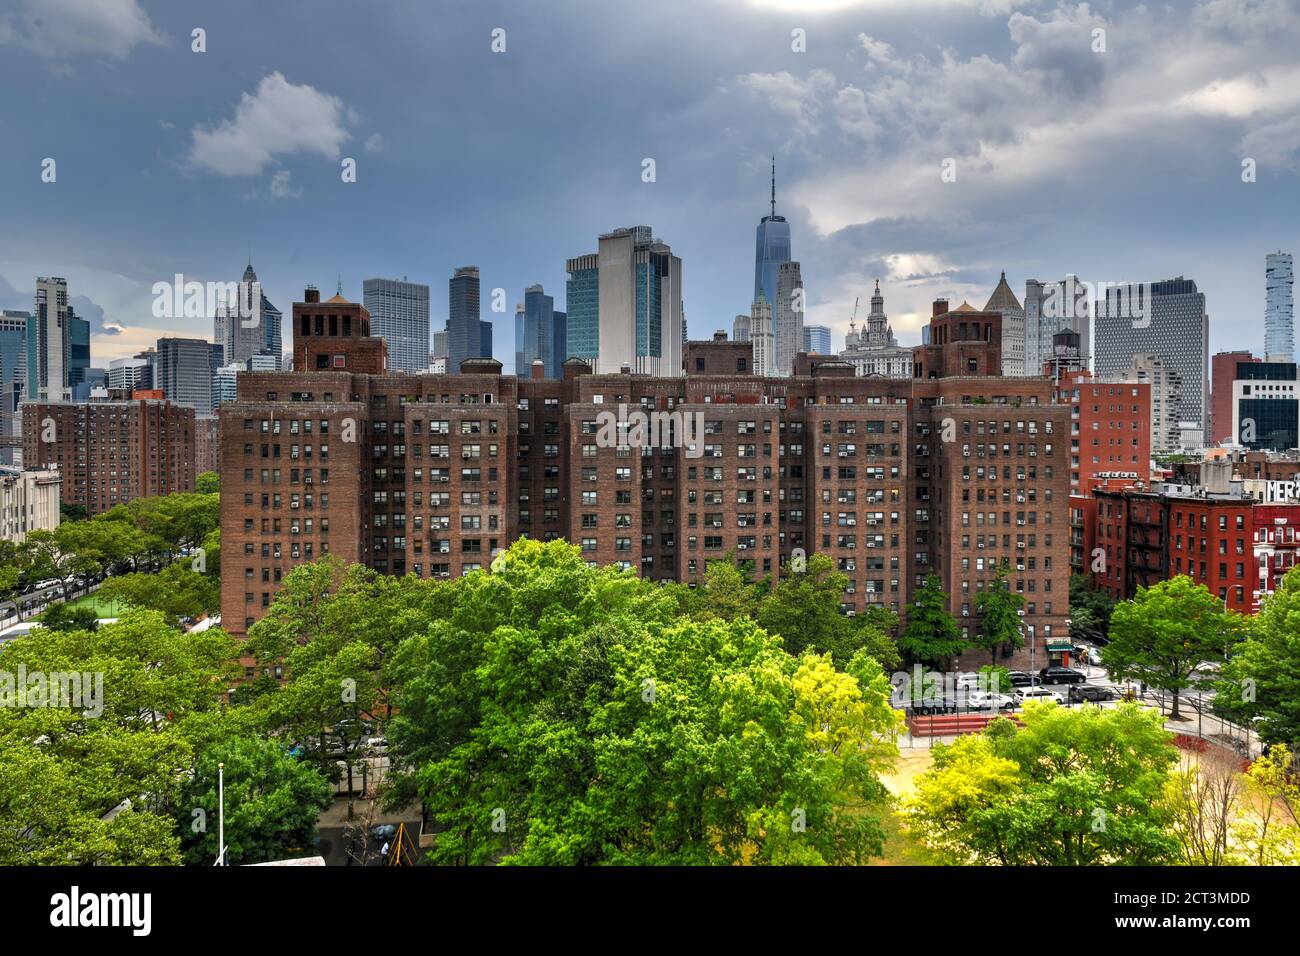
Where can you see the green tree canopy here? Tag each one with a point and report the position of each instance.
(1261, 681)
(1072, 787)
(557, 714)
(930, 634)
(804, 610)
(150, 699)
(999, 608)
(1161, 635)
(272, 803)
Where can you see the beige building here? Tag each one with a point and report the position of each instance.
(29, 501)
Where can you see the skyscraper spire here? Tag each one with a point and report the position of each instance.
(339, 290)
(774, 185)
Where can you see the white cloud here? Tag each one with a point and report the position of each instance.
(374, 143)
(59, 29)
(278, 119)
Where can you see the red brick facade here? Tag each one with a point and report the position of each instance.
(431, 474)
(110, 452)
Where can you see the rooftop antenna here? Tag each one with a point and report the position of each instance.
(774, 185)
(339, 289)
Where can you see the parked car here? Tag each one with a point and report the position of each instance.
(1020, 678)
(377, 745)
(1023, 694)
(986, 700)
(1092, 692)
(968, 681)
(1061, 675)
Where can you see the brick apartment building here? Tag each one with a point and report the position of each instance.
(951, 472)
(1110, 429)
(207, 444)
(112, 451)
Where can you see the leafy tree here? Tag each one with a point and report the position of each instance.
(1072, 787)
(51, 556)
(177, 591)
(726, 592)
(1090, 607)
(67, 617)
(150, 700)
(272, 803)
(1261, 681)
(931, 635)
(14, 565)
(557, 714)
(804, 610)
(1267, 832)
(207, 483)
(71, 513)
(1168, 629)
(999, 609)
(331, 628)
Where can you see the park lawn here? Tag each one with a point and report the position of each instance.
(102, 608)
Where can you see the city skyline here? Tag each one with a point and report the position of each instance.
(859, 124)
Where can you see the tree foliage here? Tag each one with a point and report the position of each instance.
(930, 634)
(1072, 787)
(272, 803)
(999, 608)
(557, 714)
(1168, 629)
(64, 767)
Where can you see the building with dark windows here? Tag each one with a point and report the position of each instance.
(468, 336)
(433, 474)
(114, 451)
(1266, 406)
(771, 248)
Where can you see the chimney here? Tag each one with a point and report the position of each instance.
(312, 294)
(719, 336)
(539, 368)
(940, 308)
(625, 370)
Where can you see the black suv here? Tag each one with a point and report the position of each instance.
(1019, 679)
(1092, 692)
(1061, 675)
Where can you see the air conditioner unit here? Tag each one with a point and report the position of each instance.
(1020, 544)
(1020, 567)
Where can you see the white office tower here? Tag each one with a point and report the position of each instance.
(1004, 301)
(399, 314)
(740, 329)
(788, 318)
(49, 359)
(639, 312)
(125, 373)
(1052, 307)
(761, 336)
(1279, 308)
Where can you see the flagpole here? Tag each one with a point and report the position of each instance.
(221, 814)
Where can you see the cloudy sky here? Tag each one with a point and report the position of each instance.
(1117, 165)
